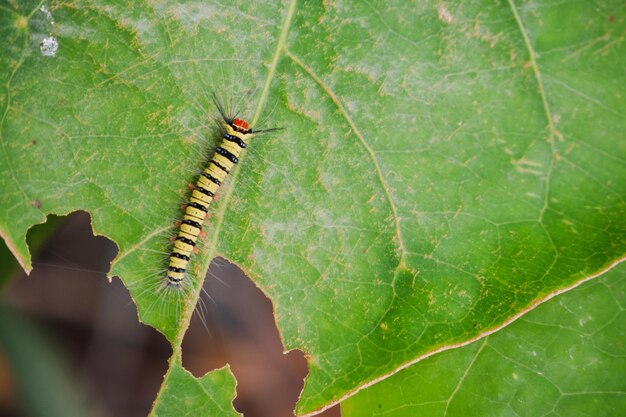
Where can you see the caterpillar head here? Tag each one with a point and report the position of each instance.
(240, 125)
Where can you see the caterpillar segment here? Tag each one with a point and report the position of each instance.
(236, 135)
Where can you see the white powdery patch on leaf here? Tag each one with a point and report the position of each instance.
(49, 46)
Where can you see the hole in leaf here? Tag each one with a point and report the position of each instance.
(115, 364)
(240, 330)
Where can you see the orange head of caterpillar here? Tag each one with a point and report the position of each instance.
(241, 125)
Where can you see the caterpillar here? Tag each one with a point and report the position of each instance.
(236, 134)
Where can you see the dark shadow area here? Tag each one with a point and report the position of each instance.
(115, 365)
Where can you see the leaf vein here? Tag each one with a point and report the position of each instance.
(546, 107)
(363, 143)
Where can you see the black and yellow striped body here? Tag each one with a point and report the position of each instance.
(234, 140)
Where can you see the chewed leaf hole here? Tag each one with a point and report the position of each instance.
(234, 324)
(115, 364)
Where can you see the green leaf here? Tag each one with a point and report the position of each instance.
(566, 358)
(185, 395)
(443, 168)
